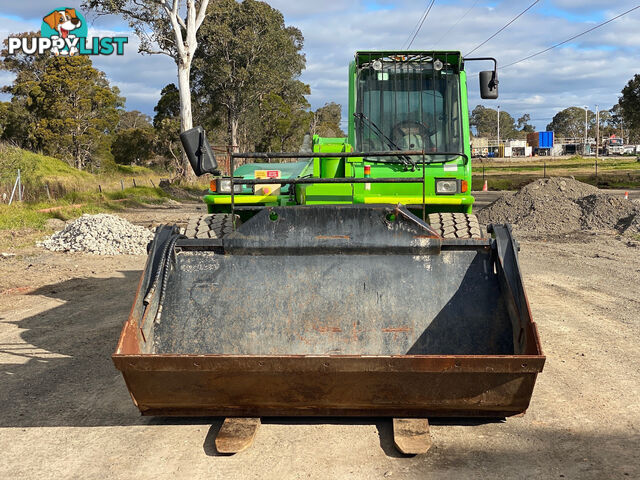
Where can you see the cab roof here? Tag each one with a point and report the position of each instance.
(446, 56)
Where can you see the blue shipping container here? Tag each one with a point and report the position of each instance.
(545, 140)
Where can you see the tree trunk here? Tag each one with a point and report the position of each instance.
(232, 121)
(186, 116)
(76, 155)
(232, 136)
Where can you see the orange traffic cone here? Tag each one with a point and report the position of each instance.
(485, 187)
(626, 195)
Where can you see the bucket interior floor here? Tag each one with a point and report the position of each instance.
(444, 304)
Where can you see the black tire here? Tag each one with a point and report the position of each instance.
(216, 225)
(455, 225)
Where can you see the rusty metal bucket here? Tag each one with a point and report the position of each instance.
(331, 310)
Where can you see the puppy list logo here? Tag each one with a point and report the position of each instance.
(64, 32)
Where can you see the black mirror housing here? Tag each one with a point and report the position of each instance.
(489, 85)
(199, 152)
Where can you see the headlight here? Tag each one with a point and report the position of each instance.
(224, 186)
(447, 187)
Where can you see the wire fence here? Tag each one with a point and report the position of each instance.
(597, 171)
(14, 190)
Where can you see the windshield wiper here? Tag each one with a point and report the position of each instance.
(405, 159)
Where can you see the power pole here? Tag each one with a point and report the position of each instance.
(586, 121)
(597, 130)
(498, 129)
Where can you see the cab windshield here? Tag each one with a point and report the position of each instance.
(408, 105)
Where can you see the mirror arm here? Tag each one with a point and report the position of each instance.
(494, 79)
(479, 59)
(200, 151)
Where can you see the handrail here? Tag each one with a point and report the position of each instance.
(295, 181)
(388, 153)
(311, 180)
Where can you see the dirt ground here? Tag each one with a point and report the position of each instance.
(66, 412)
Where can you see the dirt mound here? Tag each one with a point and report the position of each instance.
(551, 188)
(634, 225)
(183, 194)
(560, 206)
(602, 212)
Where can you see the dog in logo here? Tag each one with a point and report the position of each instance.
(64, 22)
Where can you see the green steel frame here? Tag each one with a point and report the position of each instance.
(408, 193)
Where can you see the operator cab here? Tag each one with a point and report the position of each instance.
(408, 102)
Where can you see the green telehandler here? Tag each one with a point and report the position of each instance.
(354, 281)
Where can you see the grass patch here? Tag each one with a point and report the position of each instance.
(147, 195)
(134, 170)
(39, 173)
(503, 182)
(29, 216)
(17, 217)
(514, 174)
(612, 180)
(20, 216)
(515, 181)
(36, 171)
(561, 162)
(73, 193)
(196, 187)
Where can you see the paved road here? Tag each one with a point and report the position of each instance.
(485, 198)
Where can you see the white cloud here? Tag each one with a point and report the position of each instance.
(33, 9)
(139, 77)
(591, 70)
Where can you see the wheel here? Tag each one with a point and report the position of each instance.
(216, 225)
(455, 225)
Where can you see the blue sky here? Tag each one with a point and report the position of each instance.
(590, 71)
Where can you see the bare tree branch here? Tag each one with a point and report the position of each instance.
(162, 30)
(202, 13)
(158, 52)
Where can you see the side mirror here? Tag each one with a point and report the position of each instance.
(489, 85)
(198, 150)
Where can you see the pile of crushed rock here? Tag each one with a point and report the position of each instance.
(100, 234)
(563, 205)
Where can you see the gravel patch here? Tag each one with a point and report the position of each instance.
(560, 206)
(101, 235)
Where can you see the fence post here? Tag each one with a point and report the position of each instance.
(46, 185)
(100, 188)
(122, 184)
(596, 170)
(20, 191)
(134, 183)
(151, 180)
(15, 185)
(545, 169)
